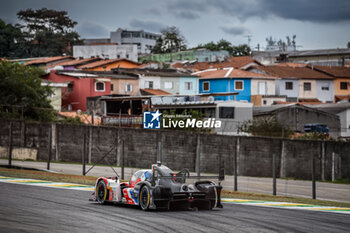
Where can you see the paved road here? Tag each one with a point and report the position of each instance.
(297, 188)
(39, 209)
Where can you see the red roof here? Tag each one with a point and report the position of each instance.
(293, 72)
(153, 92)
(291, 64)
(76, 62)
(230, 73)
(335, 71)
(104, 62)
(236, 62)
(47, 60)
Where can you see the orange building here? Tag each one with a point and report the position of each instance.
(109, 64)
(341, 80)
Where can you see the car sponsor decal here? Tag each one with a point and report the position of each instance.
(44, 183)
(287, 205)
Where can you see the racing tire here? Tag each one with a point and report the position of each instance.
(144, 199)
(101, 192)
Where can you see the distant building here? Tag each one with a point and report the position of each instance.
(56, 96)
(242, 62)
(196, 55)
(295, 116)
(106, 51)
(324, 57)
(300, 82)
(145, 41)
(80, 86)
(342, 110)
(341, 77)
(127, 111)
(226, 80)
(169, 80)
(47, 61)
(109, 64)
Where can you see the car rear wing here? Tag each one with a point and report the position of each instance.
(183, 174)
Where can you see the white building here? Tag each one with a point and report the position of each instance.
(145, 41)
(111, 51)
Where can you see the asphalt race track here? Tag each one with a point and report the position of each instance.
(25, 208)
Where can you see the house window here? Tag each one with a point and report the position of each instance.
(149, 84)
(325, 87)
(128, 88)
(238, 85)
(206, 86)
(264, 102)
(227, 112)
(289, 85)
(99, 86)
(127, 55)
(112, 87)
(188, 86)
(118, 56)
(168, 85)
(307, 86)
(70, 87)
(343, 85)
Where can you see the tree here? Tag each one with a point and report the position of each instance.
(265, 127)
(349, 44)
(171, 41)
(12, 42)
(22, 94)
(48, 32)
(240, 50)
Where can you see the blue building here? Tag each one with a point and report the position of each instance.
(228, 80)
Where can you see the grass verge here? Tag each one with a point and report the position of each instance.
(265, 197)
(90, 180)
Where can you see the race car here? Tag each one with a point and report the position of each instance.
(160, 188)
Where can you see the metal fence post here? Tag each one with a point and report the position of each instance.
(50, 145)
(198, 158)
(122, 162)
(274, 173)
(235, 185)
(83, 155)
(313, 178)
(10, 145)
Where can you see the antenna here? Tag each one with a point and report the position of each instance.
(249, 37)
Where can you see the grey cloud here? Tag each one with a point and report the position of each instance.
(187, 9)
(186, 15)
(91, 29)
(153, 11)
(147, 25)
(235, 30)
(302, 10)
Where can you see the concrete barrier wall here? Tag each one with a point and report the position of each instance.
(179, 149)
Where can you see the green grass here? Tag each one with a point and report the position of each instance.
(265, 197)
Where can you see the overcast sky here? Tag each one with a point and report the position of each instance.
(317, 24)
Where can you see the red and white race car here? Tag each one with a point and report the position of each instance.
(159, 188)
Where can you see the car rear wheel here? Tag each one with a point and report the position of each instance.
(101, 192)
(144, 199)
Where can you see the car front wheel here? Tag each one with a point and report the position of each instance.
(144, 199)
(101, 192)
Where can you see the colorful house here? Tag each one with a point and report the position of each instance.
(109, 64)
(341, 77)
(227, 80)
(169, 80)
(300, 83)
(80, 86)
